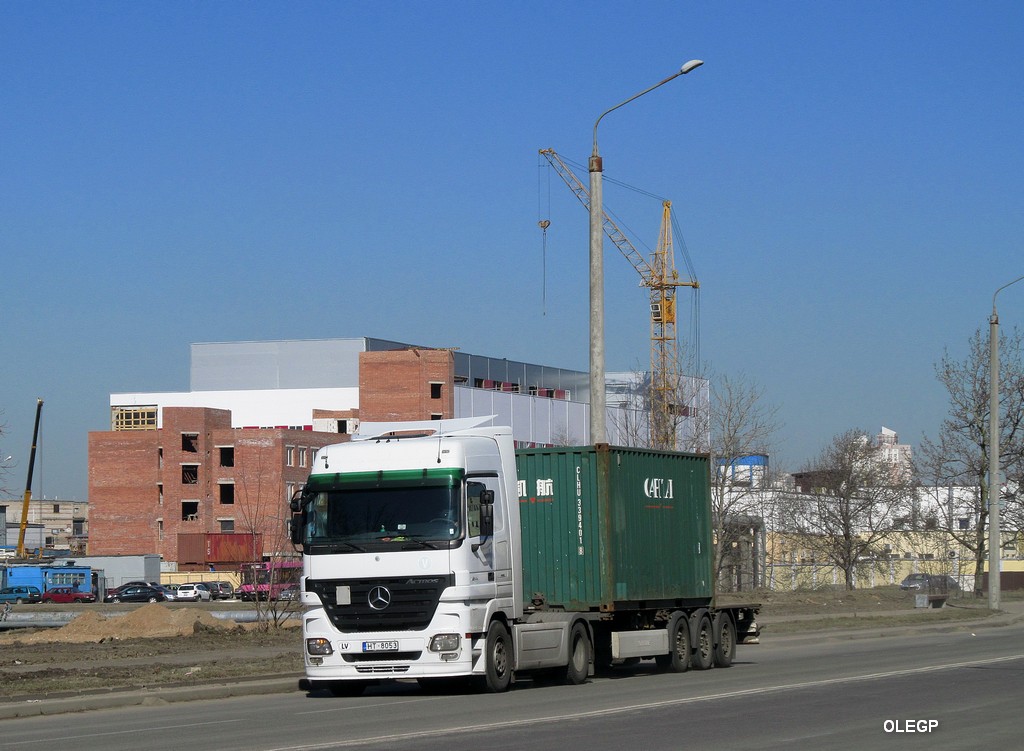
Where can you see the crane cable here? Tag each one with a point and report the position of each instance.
(543, 223)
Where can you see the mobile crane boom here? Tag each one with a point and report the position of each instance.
(20, 552)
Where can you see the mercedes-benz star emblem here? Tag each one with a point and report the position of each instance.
(379, 598)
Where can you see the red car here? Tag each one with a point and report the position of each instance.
(67, 594)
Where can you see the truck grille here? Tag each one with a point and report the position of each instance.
(411, 602)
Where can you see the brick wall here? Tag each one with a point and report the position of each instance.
(127, 469)
(412, 384)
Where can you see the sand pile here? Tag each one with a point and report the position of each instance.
(150, 620)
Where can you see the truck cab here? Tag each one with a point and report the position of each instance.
(408, 542)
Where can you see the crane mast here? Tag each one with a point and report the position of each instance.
(660, 277)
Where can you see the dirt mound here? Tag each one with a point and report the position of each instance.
(153, 620)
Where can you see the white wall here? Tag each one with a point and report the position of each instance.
(250, 408)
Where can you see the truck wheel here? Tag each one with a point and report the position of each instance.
(498, 658)
(579, 655)
(704, 642)
(678, 658)
(725, 640)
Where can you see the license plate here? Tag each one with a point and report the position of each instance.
(380, 646)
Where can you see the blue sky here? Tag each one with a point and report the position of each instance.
(849, 179)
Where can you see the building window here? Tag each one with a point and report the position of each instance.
(227, 493)
(227, 456)
(78, 527)
(160, 529)
(227, 526)
(189, 474)
(133, 418)
(189, 511)
(289, 491)
(160, 494)
(435, 390)
(190, 442)
(436, 416)
(56, 508)
(302, 457)
(289, 454)
(160, 458)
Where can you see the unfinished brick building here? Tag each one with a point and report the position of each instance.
(195, 474)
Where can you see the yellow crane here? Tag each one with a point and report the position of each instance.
(660, 277)
(20, 552)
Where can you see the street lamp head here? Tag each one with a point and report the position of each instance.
(687, 67)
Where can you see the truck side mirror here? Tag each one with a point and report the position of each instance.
(295, 504)
(486, 513)
(295, 528)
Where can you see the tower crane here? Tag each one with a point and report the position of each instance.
(660, 277)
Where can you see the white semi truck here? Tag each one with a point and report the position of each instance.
(437, 551)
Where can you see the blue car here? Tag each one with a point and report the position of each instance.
(20, 594)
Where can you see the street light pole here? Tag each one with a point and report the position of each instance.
(994, 543)
(598, 430)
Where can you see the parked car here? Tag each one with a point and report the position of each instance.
(20, 594)
(193, 593)
(292, 593)
(170, 593)
(138, 593)
(221, 590)
(67, 594)
(117, 590)
(934, 583)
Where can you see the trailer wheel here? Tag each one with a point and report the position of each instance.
(725, 640)
(704, 643)
(678, 658)
(580, 651)
(498, 664)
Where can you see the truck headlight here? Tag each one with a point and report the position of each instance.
(319, 647)
(444, 643)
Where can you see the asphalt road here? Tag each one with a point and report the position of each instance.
(954, 690)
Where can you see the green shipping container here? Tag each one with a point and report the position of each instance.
(610, 528)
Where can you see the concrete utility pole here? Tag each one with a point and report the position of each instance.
(994, 542)
(598, 430)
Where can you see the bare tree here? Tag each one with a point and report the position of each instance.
(265, 516)
(959, 454)
(741, 429)
(850, 498)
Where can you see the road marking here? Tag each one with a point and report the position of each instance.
(519, 723)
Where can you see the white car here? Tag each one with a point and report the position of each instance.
(192, 593)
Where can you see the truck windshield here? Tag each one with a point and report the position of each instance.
(353, 517)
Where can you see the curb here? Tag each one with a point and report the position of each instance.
(84, 702)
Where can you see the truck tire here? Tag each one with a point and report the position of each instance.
(580, 654)
(725, 640)
(678, 658)
(497, 659)
(703, 640)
